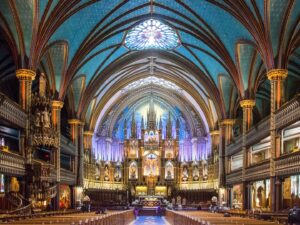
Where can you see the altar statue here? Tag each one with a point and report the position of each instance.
(185, 174)
(178, 200)
(106, 173)
(46, 119)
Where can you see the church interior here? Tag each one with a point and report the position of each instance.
(149, 112)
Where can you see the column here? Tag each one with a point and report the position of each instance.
(81, 155)
(87, 143)
(76, 131)
(25, 78)
(215, 140)
(55, 117)
(247, 105)
(225, 139)
(276, 77)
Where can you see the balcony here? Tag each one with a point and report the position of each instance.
(11, 163)
(67, 177)
(258, 171)
(202, 185)
(12, 112)
(101, 185)
(234, 177)
(288, 164)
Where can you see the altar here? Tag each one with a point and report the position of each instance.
(150, 201)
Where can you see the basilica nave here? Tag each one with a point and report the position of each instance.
(149, 111)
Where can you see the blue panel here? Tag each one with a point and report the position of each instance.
(91, 66)
(6, 12)
(25, 13)
(81, 27)
(213, 66)
(277, 10)
(215, 19)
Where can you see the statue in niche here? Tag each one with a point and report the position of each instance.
(42, 85)
(184, 201)
(185, 174)
(106, 173)
(45, 118)
(37, 118)
(169, 171)
(132, 171)
(196, 173)
(118, 174)
(173, 201)
(178, 200)
(97, 173)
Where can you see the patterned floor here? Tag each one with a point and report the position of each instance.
(150, 220)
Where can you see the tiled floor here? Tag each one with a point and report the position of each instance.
(150, 220)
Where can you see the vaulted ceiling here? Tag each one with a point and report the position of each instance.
(226, 48)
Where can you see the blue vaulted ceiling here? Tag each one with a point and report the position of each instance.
(230, 43)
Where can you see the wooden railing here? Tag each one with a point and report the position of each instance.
(287, 164)
(111, 218)
(234, 177)
(258, 171)
(12, 163)
(199, 185)
(96, 184)
(12, 111)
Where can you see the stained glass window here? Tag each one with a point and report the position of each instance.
(152, 34)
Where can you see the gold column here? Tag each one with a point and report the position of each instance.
(276, 77)
(25, 77)
(215, 140)
(225, 139)
(87, 143)
(77, 139)
(56, 109)
(247, 105)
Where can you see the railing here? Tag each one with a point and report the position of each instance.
(258, 171)
(234, 177)
(14, 199)
(199, 185)
(12, 163)
(288, 113)
(12, 111)
(287, 164)
(95, 184)
(67, 176)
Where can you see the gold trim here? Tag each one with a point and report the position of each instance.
(88, 133)
(227, 122)
(247, 103)
(57, 104)
(25, 74)
(277, 74)
(75, 122)
(214, 132)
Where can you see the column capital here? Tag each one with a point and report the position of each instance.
(214, 132)
(88, 133)
(277, 74)
(227, 122)
(25, 74)
(247, 103)
(75, 122)
(56, 104)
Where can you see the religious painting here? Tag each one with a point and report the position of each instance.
(64, 196)
(151, 165)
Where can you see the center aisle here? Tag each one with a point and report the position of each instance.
(150, 220)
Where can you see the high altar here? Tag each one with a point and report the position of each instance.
(150, 160)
